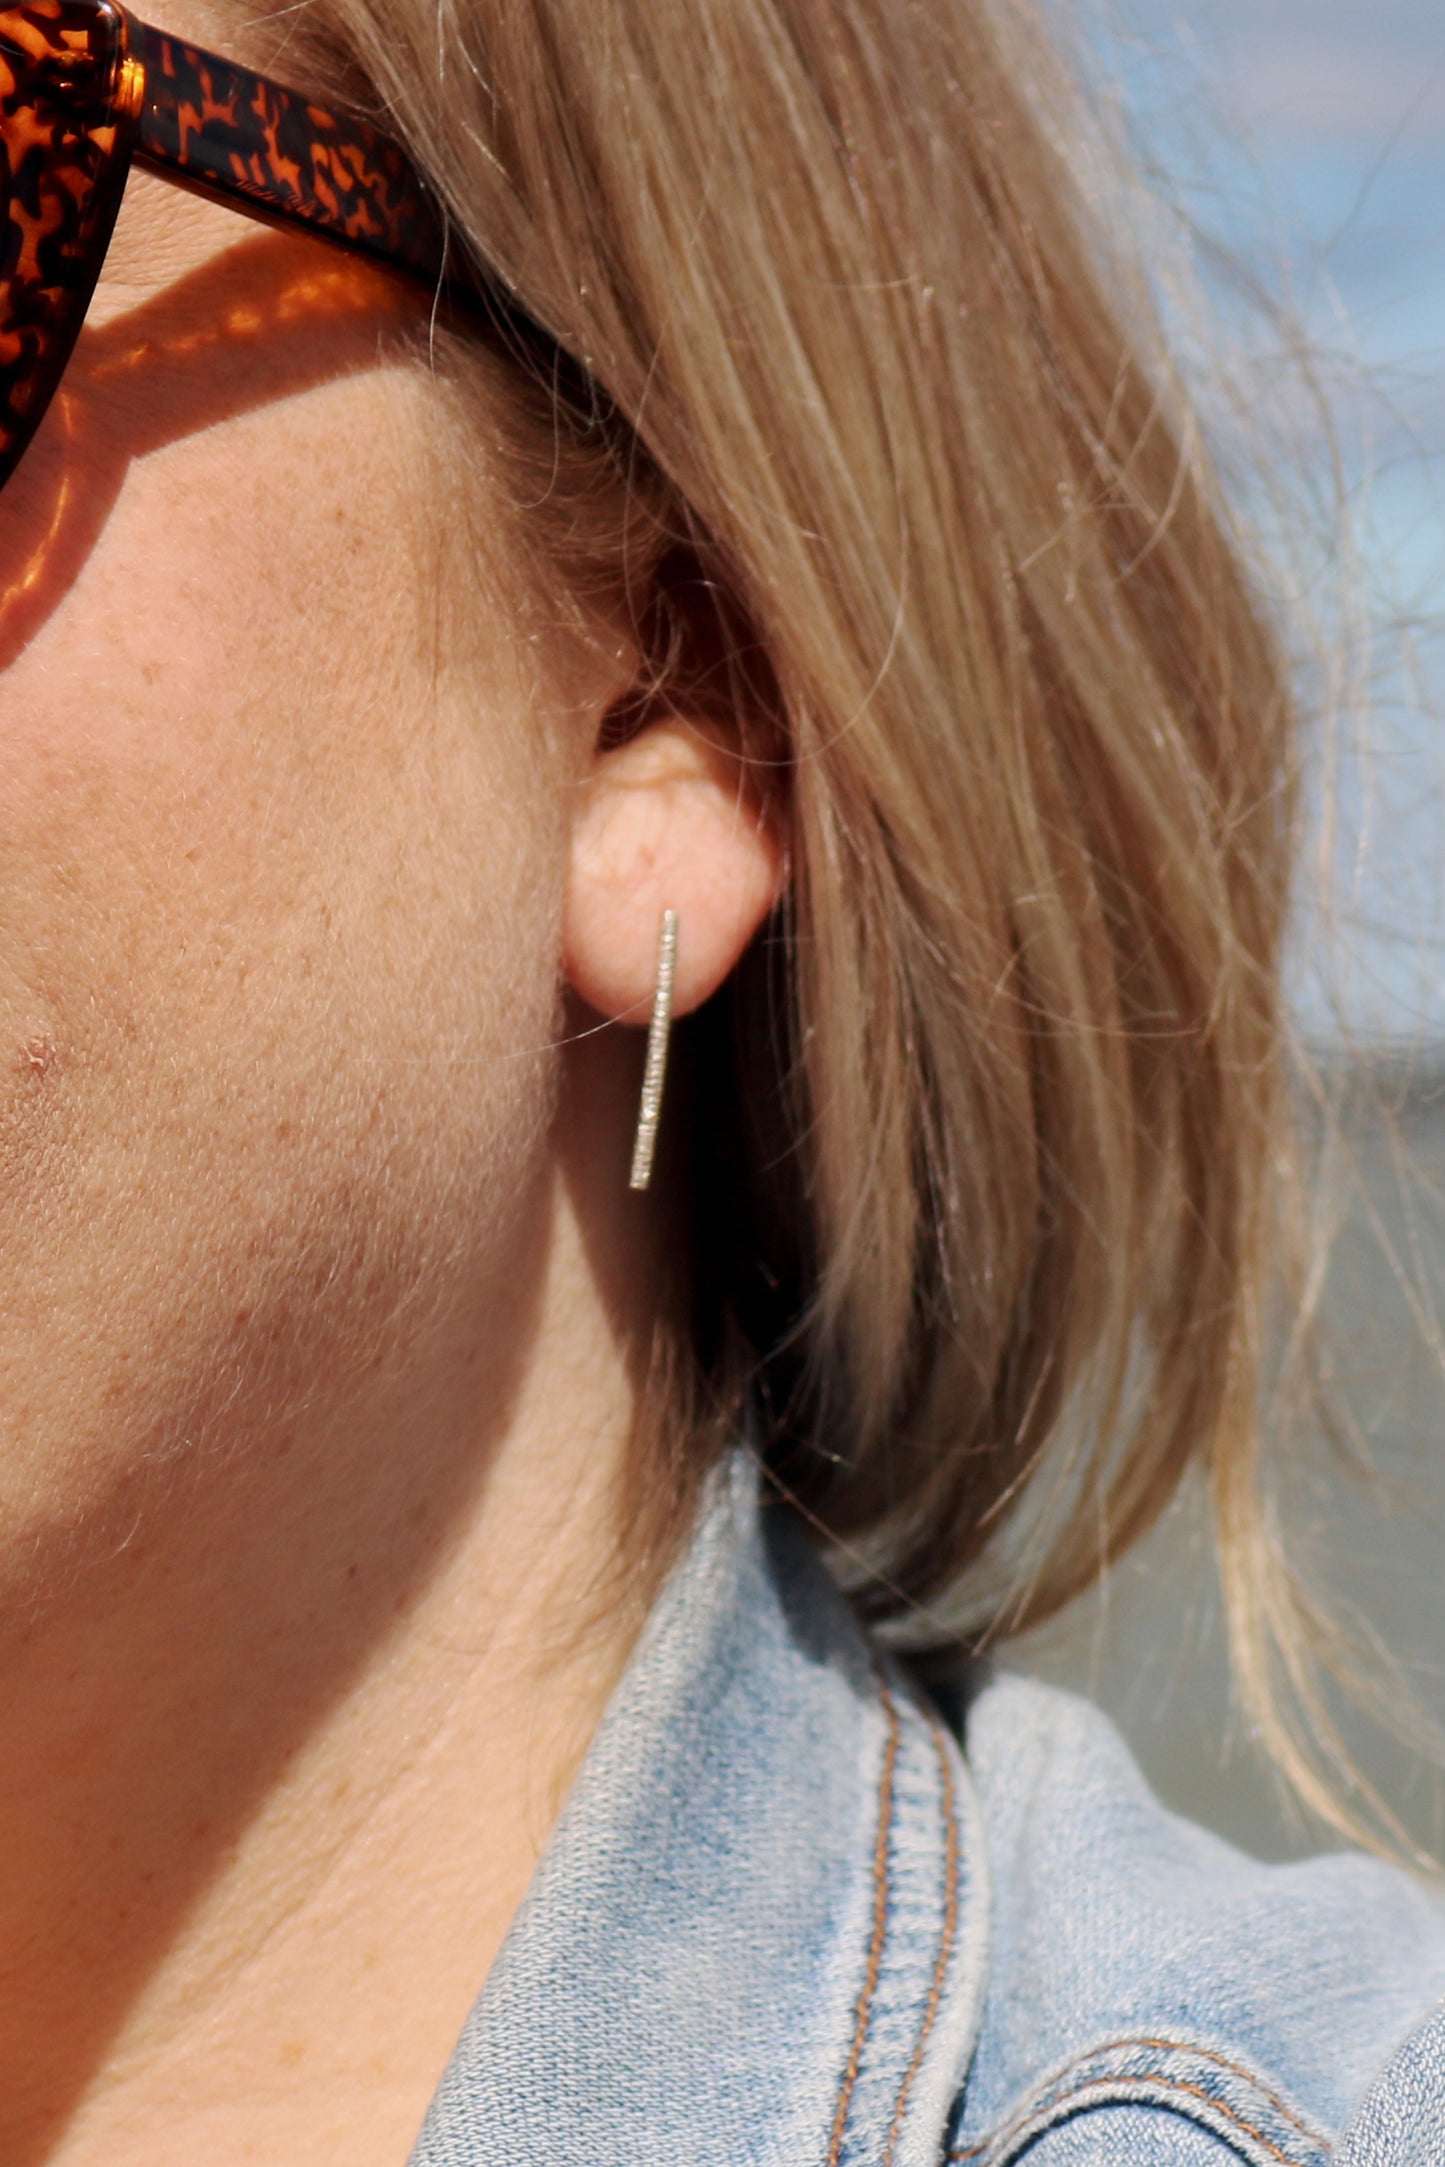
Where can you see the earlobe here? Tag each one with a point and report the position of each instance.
(667, 821)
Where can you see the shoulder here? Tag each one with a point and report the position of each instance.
(1154, 1995)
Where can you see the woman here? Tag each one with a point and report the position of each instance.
(761, 517)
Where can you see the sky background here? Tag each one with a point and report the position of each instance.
(1309, 136)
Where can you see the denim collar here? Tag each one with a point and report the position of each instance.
(758, 1935)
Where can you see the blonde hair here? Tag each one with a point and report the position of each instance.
(992, 1253)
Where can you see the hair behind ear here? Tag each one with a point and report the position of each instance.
(1001, 1277)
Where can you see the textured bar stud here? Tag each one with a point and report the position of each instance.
(655, 1070)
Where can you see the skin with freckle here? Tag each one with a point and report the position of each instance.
(319, 1293)
(205, 919)
(265, 1135)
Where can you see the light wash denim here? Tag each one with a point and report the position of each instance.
(787, 1920)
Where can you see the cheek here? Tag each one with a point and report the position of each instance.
(278, 904)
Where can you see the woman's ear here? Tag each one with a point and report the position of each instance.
(667, 820)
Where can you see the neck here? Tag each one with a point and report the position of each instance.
(286, 1735)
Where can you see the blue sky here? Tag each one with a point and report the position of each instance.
(1322, 163)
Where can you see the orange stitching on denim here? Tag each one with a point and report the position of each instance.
(1235, 2069)
(1144, 2077)
(946, 1939)
(1204, 2054)
(880, 1922)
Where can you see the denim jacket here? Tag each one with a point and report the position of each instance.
(790, 1919)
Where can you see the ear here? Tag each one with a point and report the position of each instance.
(667, 820)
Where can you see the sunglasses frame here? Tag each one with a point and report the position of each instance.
(85, 92)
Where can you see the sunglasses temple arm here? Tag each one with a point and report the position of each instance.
(239, 138)
(228, 133)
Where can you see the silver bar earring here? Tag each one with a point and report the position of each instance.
(655, 1068)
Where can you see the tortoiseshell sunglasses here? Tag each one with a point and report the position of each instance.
(84, 90)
